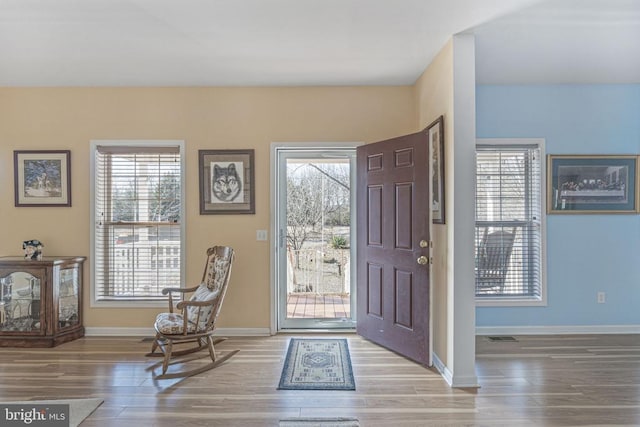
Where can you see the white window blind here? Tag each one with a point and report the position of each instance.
(508, 239)
(137, 209)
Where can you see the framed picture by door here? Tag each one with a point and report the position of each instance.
(436, 147)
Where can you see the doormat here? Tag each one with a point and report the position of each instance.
(78, 410)
(317, 364)
(319, 422)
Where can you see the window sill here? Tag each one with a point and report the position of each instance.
(510, 302)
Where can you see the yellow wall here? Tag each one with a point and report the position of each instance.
(434, 97)
(205, 118)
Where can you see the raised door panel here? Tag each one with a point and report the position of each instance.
(403, 211)
(375, 216)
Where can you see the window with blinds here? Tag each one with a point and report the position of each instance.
(508, 236)
(138, 213)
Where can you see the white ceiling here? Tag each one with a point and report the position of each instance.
(309, 42)
(562, 41)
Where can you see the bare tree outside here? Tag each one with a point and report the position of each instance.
(318, 220)
(304, 207)
(501, 186)
(165, 199)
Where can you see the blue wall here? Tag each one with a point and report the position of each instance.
(585, 253)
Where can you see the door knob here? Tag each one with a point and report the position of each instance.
(423, 260)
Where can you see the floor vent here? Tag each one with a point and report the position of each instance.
(502, 339)
(147, 339)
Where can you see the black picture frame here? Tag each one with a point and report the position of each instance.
(226, 182)
(592, 184)
(42, 178)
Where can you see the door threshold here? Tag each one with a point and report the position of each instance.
(316, 331)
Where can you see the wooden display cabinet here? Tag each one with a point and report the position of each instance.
(40, 301)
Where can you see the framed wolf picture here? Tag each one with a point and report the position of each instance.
(226, 182)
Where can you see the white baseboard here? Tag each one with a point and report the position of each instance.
(442, 368)
(464, 382)
(150, 332)
(118, 332)
(557, 330)
(244, 332)
(450, 378)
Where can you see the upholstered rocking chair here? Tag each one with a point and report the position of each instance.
(195, 322)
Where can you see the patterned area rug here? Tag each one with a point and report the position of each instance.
(317, 364)
(319, 422)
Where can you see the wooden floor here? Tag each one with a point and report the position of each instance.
(536, 381)
(318, 306)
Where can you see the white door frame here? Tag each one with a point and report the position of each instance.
(274, 248)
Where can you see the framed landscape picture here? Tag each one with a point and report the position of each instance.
(42, 178)
(435, 133)
(592, 184)
(226, 181)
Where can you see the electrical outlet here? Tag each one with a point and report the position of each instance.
(261, 235)
(602, 298)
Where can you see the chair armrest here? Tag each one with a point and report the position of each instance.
(184, 304)
(170, 291)
(165, 291)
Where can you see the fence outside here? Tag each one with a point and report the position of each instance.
(318, 270)
(157, 262)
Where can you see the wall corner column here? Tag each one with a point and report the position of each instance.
(461, 299)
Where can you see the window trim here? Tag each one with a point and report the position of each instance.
(92, 170)
(524, 301)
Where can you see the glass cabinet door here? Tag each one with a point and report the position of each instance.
(68, 298)
(20, 302)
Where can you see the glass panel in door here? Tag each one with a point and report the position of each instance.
(315, 221)
(68, 298)
(20, 302)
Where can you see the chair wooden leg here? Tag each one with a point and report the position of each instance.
(172, 357)
(167, 355)
(212, 350)
(154, 346)
(186, 374)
